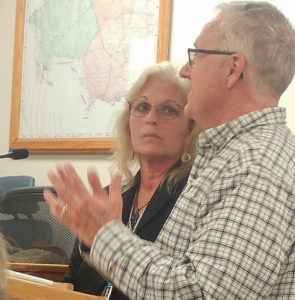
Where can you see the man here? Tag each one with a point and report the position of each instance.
(231, 234)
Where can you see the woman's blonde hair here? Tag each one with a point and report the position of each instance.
(125, 159)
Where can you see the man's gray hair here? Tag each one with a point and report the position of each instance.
(265, 37)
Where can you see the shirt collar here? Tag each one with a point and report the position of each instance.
(217, 136)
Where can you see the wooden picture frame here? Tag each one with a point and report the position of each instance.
(68, 145)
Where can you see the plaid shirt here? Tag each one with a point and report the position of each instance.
(231, 234)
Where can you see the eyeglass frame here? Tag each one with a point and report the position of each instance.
(130, 102)
(207, 51)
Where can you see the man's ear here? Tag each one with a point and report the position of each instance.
(237, 65)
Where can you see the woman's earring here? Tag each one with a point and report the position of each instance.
(186, 157)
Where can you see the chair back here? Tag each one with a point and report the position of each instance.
(11, 182)
(32, 234)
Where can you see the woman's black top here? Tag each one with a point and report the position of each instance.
(85, 278)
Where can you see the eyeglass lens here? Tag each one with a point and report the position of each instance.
(168, 111)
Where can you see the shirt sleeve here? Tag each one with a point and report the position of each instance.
(236, 251)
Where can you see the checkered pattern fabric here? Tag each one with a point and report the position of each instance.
(231, 234)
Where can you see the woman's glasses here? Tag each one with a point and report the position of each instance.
(166, 110)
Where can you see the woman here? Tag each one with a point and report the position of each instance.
(154, 135)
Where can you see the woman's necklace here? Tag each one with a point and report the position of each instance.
(135, 211)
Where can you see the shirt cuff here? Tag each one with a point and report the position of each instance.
(107, 245)
(84, 252)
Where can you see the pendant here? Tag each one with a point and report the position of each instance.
(134, 219)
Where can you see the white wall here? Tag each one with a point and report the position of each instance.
(187, 20)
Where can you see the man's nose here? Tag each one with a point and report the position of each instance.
(185, 71)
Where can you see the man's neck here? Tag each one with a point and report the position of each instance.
(238, 105)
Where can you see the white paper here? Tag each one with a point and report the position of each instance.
(28, 277)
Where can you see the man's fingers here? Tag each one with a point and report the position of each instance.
(83, 212)
(95, 183)
(61, 210)
(115, 186)
(115, 195)
(75, 181)
(61, 172)
(54, 203)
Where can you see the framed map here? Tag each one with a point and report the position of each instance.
(74, 61)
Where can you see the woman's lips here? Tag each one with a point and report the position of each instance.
(151, 135)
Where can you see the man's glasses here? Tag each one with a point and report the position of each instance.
(192, 53)
(166, 111)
